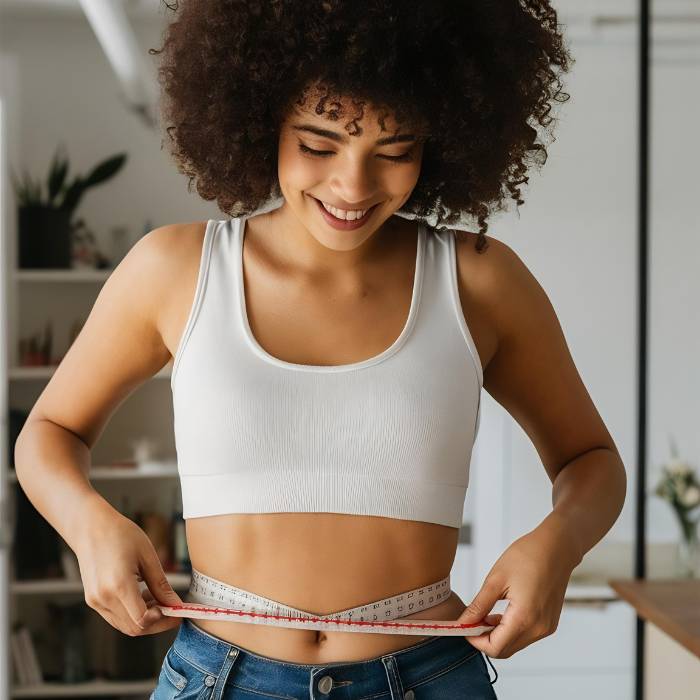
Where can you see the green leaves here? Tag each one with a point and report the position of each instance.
(57, 175)
(29, 191)
(105, 170)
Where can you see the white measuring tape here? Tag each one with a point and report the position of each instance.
(210, 599)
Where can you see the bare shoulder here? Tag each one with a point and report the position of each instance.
(531, 371)
(495, 264)
(486, 281)
(502, 284)
(500, 295)
(169, 249)
(171, 254)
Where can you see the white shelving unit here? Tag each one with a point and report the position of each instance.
(88, 689)
(72, 275)
(23, 384)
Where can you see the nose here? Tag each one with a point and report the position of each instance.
(353, 184)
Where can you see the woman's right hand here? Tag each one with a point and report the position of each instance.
(115, 555)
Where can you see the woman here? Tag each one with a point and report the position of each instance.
(329, 353)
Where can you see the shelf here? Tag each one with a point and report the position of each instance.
(62, 275)
(86, 689)
(46, 371)
(584, 591)
(105, 473)
(64, 585)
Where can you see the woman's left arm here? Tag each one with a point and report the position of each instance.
(533, 376)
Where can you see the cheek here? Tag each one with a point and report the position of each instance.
(297, 171)
(401, 179)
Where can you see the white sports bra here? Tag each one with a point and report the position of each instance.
(388, 436)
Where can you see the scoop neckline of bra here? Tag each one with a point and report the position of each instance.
(362, 364)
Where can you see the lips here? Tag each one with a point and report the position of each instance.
(343, 224)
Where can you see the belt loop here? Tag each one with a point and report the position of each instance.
(392, 673)
(222, 677)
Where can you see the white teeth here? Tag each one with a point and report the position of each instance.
(343, 213)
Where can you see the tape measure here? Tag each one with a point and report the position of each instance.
(210, 599)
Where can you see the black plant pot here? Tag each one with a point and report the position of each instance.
(44, 237)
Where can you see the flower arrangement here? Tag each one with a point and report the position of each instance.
(679, 486)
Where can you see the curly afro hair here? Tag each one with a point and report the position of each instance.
(472, 78)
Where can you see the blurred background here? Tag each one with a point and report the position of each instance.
(78, 90)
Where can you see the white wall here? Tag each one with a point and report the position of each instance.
(674, 371)
(68, 93)
(577, 234)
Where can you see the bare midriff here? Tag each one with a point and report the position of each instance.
(321, 563)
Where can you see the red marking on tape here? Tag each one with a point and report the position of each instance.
(320, 619)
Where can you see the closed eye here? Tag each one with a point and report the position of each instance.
(404, 157)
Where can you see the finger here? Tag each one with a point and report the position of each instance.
(483, 602)
(154, 621)
(135, 628)
(133, 604)
(148, 598)
(119, 618)
(502, 639)
(156, 580)
(493, 619)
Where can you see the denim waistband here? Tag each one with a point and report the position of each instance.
(264, 674)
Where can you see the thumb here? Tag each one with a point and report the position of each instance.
(156, 580)
(483, 602)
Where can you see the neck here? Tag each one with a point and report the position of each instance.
(296, 245)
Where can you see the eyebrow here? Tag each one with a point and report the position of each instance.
(341, 138)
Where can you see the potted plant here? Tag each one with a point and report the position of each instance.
(679, 486)
(45, 223)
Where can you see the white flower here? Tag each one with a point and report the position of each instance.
(691, 497)
(677, 467)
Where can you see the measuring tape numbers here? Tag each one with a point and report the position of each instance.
(210, 599)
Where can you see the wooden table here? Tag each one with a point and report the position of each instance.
(671, 609)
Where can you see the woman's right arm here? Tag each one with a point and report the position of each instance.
(119, 347)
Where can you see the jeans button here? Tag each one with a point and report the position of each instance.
(325, 684)
(409, 695)
(209, 681)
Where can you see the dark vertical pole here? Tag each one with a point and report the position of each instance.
(643, 257)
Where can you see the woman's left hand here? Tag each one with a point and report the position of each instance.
(532, 574)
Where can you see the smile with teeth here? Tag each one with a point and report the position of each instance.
(344, 214)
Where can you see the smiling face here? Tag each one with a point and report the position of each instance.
(363, 176)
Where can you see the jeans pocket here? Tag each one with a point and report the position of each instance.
(181, 679)
(464, 679)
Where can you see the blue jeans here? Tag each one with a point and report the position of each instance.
(200, 666)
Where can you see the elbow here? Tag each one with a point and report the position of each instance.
(20, 455)
(620, 483)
